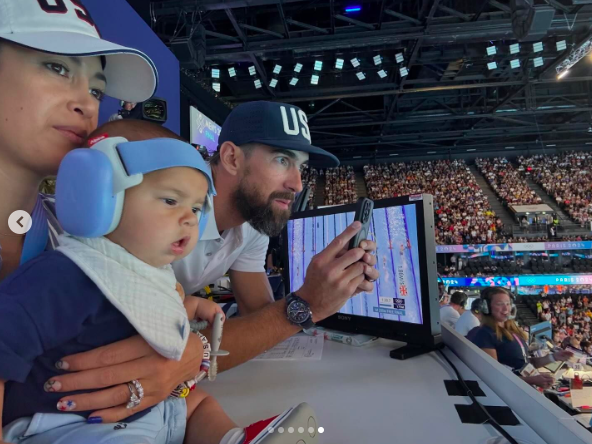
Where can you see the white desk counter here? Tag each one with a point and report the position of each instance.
(361, 395)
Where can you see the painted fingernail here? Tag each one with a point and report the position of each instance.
(363, 245)
(94, 420)
(66, 406)
(62, 365)
(52, 386)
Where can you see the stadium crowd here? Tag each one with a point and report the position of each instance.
(507, 182)
(566, 178)
(340, 186)
(309, 178)
(463, 214)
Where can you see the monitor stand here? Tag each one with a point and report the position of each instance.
(413, 350)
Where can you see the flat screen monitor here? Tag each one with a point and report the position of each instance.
(204, 131)
(404, 302)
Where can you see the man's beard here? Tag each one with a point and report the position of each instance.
(260, 213)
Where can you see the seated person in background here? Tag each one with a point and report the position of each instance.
(573, 341)
(109, 281)
(450, 314)
(469, 319)
(504, 341)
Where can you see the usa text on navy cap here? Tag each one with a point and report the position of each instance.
(275, 124)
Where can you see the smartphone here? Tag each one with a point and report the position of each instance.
(364, 209)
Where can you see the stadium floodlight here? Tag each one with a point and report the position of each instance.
(215, 73)
(403, 71)
(353, 9)
(491, 65)
(563, 74)
(491, 50)
(273, 83)
(294, 81)
(355, 62)
(377, 59)
(574, 57)
(382, 73)
(232, 72)
(360, 75)
(537, 47)
(277, 69)
(252, 70)
(257, 83)
(515, 48)
(216, 86)
(318, 65)
(515, 63)
(399, 57)
(314, 80)
(538, 62)
(339, 63)
(298, 67)
(561, 45)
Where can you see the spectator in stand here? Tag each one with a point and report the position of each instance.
(450, 314)
(469, 319)
(309, 178)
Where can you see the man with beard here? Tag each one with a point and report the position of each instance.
(256, 170)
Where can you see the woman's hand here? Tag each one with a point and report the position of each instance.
(542, 380)
(111, 367)
(562, 355)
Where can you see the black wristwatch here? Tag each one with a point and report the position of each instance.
(298, 311)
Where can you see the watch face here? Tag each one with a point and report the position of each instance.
(298, 312)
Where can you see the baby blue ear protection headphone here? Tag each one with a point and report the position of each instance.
(91, 182)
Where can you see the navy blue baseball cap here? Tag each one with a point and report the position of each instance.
(278, 125)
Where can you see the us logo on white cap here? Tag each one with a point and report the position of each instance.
(296, 127)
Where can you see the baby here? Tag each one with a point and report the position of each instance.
(131, 205)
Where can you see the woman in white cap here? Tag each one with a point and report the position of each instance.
(54, 71)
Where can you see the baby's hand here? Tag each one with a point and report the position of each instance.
(207, 310)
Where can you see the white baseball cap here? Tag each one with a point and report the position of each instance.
(65, 27)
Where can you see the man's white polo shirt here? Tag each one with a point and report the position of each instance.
(240, 248)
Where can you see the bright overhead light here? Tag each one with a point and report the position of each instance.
(515, 63)
(298, 67)
(273, 83)
(403, 71)
(277, 69)
(510, 147)
(563, 74)
(318, 65)
(538, 61)
(294, 81)
(399, 57)
(472, 149)
(360, 75)
(252, 70)
(377, 59)
(491, 65)
(232, 72)
(575, 55)
(339, 63)
(393, 154)
(215, 73)
(491, 50)
(314, 80)
(353, 9)
(431, 152)
(355, 62)
(382, 73)
(257, 83)
(216, 86)
(552, 145)
(515, 48)
(537, 47)
(561, 45)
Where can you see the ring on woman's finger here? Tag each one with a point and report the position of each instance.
(136, 394)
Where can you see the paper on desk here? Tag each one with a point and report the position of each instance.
(297, 348)
(581, 397)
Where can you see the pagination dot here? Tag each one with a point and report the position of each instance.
(281, 429)
(300, 429)
(311, 430)
(321, 430)
(290, 429)
(270, 430)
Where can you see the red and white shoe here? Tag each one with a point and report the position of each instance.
(297, 425)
